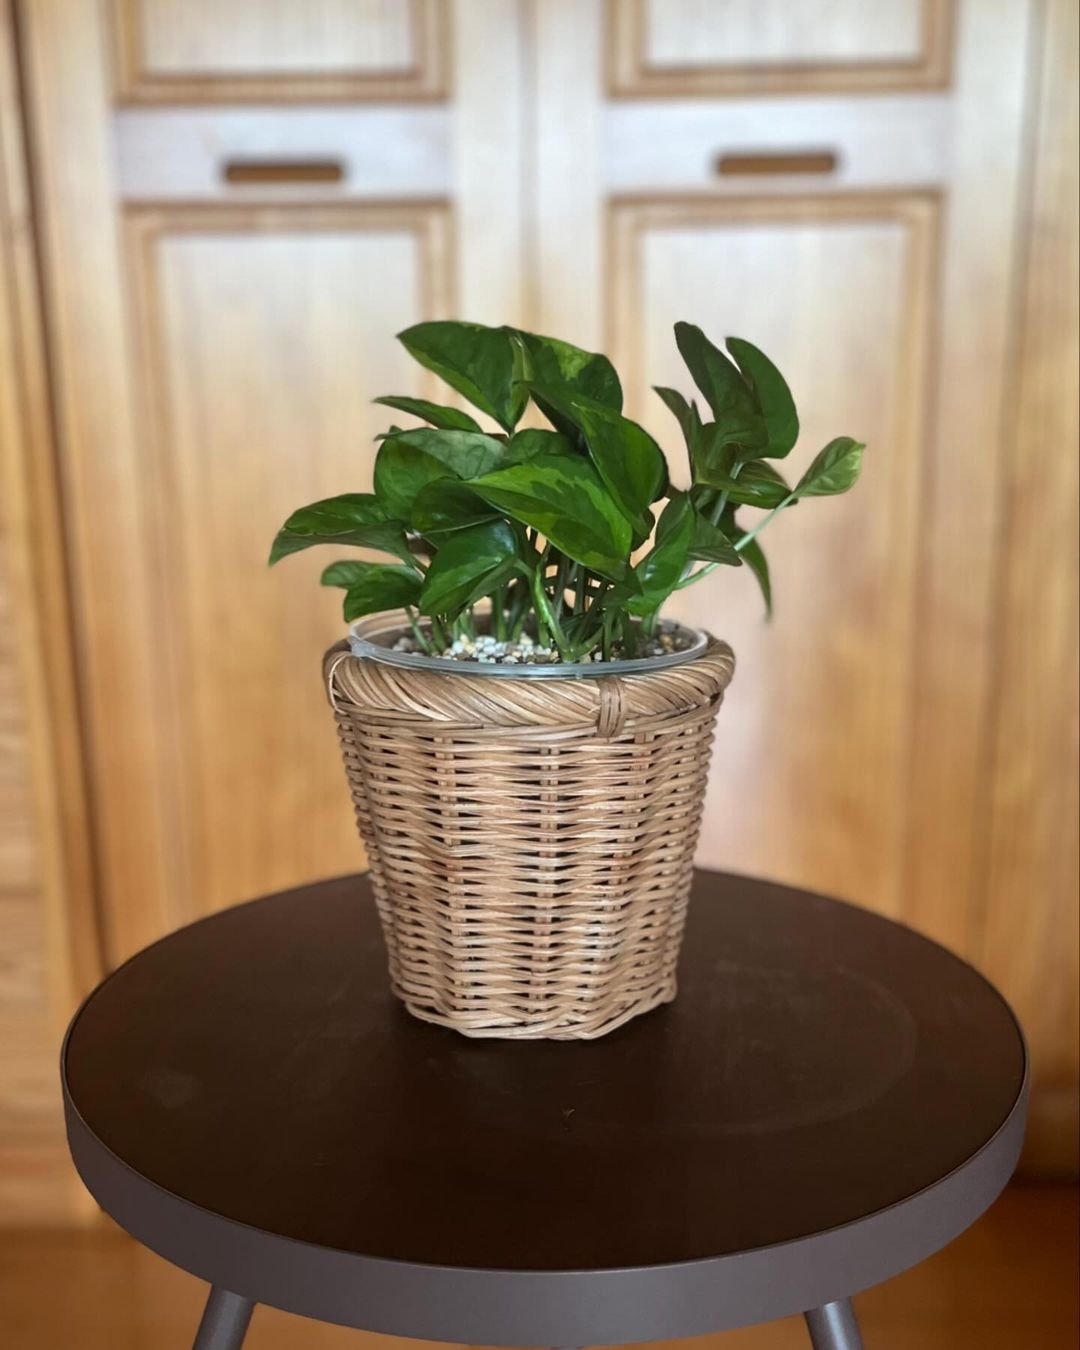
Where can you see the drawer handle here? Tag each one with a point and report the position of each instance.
(776, 162)
(284, 171)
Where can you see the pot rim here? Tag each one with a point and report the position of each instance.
(363, 642)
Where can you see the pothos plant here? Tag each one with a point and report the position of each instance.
(551, 527)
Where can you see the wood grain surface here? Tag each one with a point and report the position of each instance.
(905, 734)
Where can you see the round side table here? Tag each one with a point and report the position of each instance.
(830, 1099)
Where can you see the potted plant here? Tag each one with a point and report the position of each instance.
(525, 738)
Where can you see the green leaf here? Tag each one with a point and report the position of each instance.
(678, 405)
(533, 441)
(659, 572)
(641, 528)
(477, 361)
(772, 396)
(725, 390)
(564, 498)
(468, 454)
(401, 473)
(372, 587)
(711, 544)
(408, 462)
(751, 554)
(469, 565)
(698, 438)
(627, 458)
(354, 518)
(449, 419)
(446, 504)
(758, 484)
(833, 470)
(715, 454)
(549, 361)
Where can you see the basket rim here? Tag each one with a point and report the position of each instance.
(362, 644)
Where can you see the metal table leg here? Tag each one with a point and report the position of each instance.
(833, 1327)
(224, 1321)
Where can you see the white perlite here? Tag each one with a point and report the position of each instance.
(524, 650)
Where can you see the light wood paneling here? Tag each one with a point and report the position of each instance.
(48, 942)
(223, 351)
(959, 545)
(749, 47)
(1029, 940)
(384, 151)
(902, 141)
(277, 51)
(266, 334)
(810, 718)
(18, 850)
(963, 149)
(94, 409)
(494, 204)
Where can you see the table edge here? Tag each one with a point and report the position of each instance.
(528, 1308)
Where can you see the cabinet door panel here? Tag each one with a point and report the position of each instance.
(817, 723)
(266, 338)
(749, 32)
(679, 47)
(271, 50)
(262, 38)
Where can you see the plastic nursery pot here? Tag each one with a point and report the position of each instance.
(373, 638)
(530, 829)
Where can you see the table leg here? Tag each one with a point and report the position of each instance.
(833, 1327)
(224, 1321)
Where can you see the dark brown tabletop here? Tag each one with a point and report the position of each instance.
(830, 1098)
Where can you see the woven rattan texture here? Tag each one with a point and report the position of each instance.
(531, 841)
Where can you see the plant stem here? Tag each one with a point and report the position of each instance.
(545, 618)
(691, 577)
(498, 610)
(629, 637)
(607, 635)
(520, 608)
(560, 585)
(722, 500)
(742, 543)
(715, 511)
(418, 633)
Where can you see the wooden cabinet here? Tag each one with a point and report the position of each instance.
(239, 204)
(864, 240)
(225, 283)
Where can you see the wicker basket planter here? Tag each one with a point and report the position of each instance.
(531, 841)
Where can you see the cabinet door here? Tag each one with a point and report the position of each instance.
(242, 204)
(864, 240)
